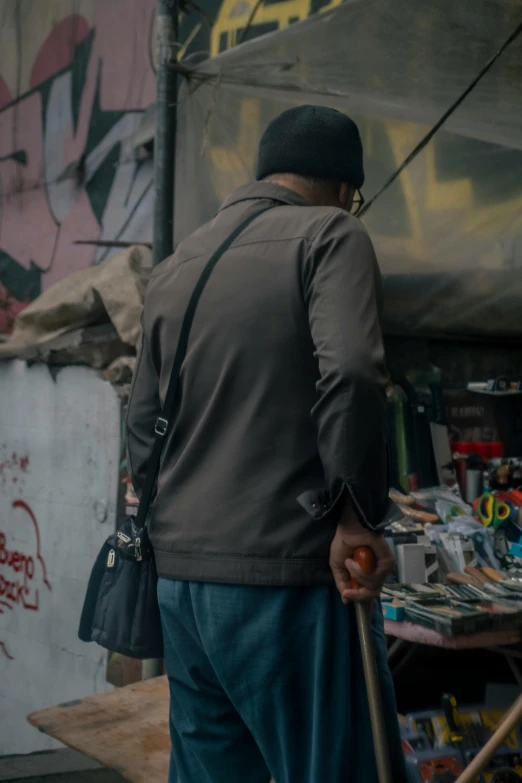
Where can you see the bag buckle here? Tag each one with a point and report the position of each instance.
(161, 427)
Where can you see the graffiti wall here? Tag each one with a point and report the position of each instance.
(75, 79)
(59, 454)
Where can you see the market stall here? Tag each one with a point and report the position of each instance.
(457, 583)
(448, 235)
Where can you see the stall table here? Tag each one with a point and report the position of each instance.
(410, 634)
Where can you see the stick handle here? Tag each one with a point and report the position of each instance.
(365, 558)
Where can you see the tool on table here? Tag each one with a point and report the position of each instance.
(365, 558)
(464, 734)
(491, 511)
(449, 707)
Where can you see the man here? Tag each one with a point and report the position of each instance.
(273, 472)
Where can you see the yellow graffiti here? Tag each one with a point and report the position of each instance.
(402, 137)
(459, 195)
(231, 166)
(234, 15)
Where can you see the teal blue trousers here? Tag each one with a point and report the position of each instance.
(268, 682)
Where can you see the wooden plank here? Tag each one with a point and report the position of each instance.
(126, 729)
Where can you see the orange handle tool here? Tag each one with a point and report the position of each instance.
(365, 559)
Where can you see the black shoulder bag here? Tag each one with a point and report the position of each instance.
(120, 610)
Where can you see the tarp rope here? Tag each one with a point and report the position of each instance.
(431, 133)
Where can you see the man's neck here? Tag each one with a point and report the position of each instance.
(293, 183)
(317, 197)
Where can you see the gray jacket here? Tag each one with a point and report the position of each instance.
(283, 409)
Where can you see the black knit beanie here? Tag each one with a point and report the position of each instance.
(313, 141)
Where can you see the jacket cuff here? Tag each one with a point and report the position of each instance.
(319, 505)
(322, 508)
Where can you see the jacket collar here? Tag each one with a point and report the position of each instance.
(265, 190)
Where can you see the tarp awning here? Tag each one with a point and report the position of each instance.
(449, 231)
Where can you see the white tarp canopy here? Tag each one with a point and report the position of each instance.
(449, 231)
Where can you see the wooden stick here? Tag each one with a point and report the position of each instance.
(493, 744)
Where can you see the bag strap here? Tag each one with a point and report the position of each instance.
(163, 422)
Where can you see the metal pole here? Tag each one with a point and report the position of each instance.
(165, 139)
(164, 164)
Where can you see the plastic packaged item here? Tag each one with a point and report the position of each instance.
(412, 741)
(406, 592)
(449, 510)
(393, 610)
(449, 618)
(424, 517)
(478, 723)
(433, 766)
(459, 549)
(502, 615)
(428, 498)
(480, 536)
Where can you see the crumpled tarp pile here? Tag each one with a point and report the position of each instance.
(91, 317)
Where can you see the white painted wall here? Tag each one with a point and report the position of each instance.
(59, 454)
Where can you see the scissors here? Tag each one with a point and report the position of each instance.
(493, 512)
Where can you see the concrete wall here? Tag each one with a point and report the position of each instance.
(59, 454)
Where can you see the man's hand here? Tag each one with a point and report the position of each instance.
(350, 535)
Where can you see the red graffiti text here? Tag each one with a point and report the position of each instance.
(22, 569)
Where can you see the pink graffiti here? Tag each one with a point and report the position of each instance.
(57, 51)
(51, 150)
